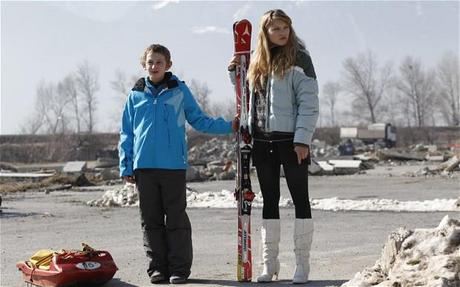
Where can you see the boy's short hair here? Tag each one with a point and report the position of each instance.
(156, 48)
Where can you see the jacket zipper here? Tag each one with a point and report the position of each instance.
(155, 101)
(267, 102)
(165, 119)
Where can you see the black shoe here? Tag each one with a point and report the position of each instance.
(176, 279)
(157, 277)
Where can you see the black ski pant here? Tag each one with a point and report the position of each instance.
(267, 157)
(165, 224)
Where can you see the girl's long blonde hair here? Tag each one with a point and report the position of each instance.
(263, 62)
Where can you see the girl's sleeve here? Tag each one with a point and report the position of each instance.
(305, 88)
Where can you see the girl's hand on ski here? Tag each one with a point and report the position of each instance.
(129, 179)
(302, 152)
(233, 62)
(236, 124)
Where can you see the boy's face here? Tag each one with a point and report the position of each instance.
(156, 65)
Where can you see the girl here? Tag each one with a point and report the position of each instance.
(283, 114)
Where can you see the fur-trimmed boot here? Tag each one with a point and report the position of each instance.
(270, 232)
(303, 237)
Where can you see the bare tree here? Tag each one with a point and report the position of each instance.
(50, 111)
(33, 124)
(88, 85)
(226, 109)
(122, 85)
(448, 82)
(201, 91)
(57, 106)
(394, 108)
(366, 82)
(38, 121)
(417, 86)
(68, 90)
(330, 93)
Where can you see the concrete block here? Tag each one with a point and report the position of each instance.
(74, 166)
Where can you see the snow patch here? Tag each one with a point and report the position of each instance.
(422, 257)
(127, 196)
(336, 204)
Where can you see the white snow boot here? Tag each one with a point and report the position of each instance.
(270, 232)
(303, 237)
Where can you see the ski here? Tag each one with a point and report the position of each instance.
(243, 190)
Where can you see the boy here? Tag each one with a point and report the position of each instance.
(153, 155)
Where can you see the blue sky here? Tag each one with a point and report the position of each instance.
(47, 40)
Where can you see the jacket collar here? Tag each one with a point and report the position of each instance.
(169, 82)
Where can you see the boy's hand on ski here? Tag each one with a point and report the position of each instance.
(302, 152)
(233, 62)
(129, 179)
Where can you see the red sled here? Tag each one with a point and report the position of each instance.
(70, 268)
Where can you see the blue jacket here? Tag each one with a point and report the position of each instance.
(152, 132)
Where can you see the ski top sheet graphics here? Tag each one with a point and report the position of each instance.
(243, 190)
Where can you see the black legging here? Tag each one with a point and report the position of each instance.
(267, 158)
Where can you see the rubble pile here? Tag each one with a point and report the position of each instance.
(444, 169)
(213, 160)
(321, 149)
(119, 197)
(211, 151)
(422, 257)
(418, 152)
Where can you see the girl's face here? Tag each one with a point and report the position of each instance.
(278, 32)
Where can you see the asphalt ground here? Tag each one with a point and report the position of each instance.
(344, 242)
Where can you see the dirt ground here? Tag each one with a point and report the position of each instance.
(344, 242)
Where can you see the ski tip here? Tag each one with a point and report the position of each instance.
(242, 21)
(242, 36)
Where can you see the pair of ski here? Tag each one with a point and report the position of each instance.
(243, 190)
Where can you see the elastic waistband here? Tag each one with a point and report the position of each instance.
(273, 137)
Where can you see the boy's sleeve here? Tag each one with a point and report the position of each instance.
(125, 147)
(199, 120)
(306, 91)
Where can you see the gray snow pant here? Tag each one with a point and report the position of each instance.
(165, 224)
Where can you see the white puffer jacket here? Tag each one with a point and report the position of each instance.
(292, 101)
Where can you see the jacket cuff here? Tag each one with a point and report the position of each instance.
(302, 137)
(230, 127)
(301, 144)
(128, 171)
